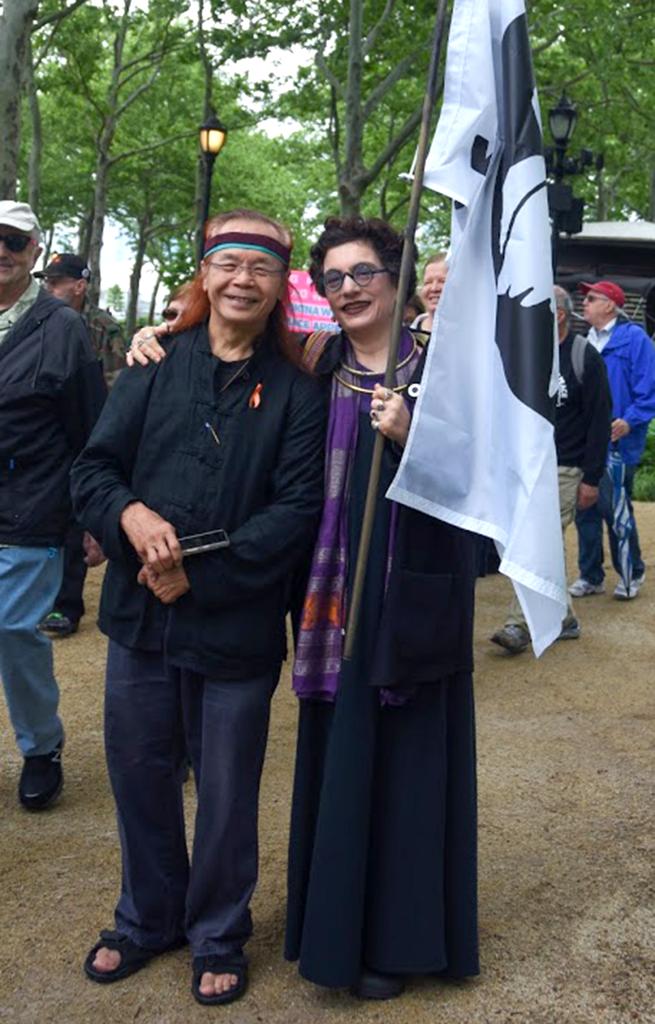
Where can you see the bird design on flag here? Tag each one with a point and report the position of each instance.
(524, 320)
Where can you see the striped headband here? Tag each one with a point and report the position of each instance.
(245, 240)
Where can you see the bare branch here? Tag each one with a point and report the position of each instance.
(383, 87)
(135, 95)
(392, 147)
(56, 16)
(147, 149)
(322, 64)
(372, 38)
(547, 43)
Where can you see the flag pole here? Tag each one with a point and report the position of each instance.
(406, 264)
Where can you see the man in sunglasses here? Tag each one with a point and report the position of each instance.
(67, 278)
(629, 358)
(51, 392)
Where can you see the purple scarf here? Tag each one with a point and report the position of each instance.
(319, 647)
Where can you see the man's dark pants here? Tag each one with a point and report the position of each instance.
(589, 522)
(70, 601)
(153, 714)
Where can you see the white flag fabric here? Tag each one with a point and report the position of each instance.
(481, 451)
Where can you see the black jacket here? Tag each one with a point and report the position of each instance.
(51, 392)
(426, 629)
(263, 483)
(583, 413)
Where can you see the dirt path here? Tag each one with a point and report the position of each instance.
(566, 848)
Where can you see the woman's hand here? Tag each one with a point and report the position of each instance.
(145, 347)
(389, 414)
(166, 586)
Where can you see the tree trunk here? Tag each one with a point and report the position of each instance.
(84, 232)
(135, 276)
(152, 312)
(15, 26)
(98, 221)
(47, 245)
(651, 203)
(36, 149)
(349, 182)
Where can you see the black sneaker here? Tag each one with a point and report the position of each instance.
(41, 780)
(58, 625)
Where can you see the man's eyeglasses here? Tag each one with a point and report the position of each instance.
(362, 274)
(234, 268)
(593, 298)
(16, 243)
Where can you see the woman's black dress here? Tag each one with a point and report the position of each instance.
(382, 857)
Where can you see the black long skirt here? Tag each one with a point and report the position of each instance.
(382, 856)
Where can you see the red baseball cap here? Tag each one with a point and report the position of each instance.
(611, 291)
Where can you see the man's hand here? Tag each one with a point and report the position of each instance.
(587, 496)
(93, 553)
(153, 539)
(619, 429)
(166, 586)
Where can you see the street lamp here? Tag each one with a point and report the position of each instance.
(213, 136)
(562, 120)
(566, 210)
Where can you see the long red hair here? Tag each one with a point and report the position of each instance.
(196, 303)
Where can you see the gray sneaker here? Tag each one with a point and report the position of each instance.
(583, 588)
(636, 583)
(513, 638)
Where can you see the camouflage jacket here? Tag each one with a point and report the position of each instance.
(107, 340)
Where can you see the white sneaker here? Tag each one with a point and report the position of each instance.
(621, 592)
(583, 588)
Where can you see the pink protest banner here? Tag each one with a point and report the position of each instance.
(307, 311)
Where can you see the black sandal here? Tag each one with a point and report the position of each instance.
(214, 963)
(133, 957)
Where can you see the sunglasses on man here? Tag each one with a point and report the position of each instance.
(16, 243)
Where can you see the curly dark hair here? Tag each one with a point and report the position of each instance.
(385, 240)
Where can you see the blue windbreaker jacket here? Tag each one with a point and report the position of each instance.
(630, 360)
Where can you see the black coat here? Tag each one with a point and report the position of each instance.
(263, 484)
(51, 392)
(426, 630)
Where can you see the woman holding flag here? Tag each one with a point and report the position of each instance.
(382, 858)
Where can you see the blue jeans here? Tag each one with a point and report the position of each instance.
(29, 581)
(589, 523)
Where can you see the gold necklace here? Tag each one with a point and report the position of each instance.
(365, 391)
(372, 373)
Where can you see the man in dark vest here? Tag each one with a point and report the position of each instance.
(67, 278)
(582, 430)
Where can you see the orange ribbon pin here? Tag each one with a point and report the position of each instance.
(255, 399)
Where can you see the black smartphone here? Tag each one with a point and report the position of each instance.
(197, 543)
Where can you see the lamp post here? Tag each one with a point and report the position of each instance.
(566, 210)
(213, 135)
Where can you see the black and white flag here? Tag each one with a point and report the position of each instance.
(481, 450)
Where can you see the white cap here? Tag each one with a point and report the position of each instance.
(19, 216)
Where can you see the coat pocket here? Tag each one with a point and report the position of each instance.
(428, 616)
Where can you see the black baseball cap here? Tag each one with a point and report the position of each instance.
(66, 264)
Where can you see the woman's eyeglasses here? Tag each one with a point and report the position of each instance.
(362, 274)
(169, 314)
(16, 243)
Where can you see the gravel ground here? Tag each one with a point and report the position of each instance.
(566, 847)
